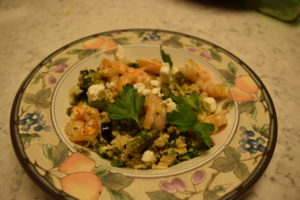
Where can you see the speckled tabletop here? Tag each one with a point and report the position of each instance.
(31, 29)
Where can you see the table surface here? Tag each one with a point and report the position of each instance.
(31, 29)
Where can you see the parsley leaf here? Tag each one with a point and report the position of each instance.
(127, 106)
(191, 100)
(183, 118)
(202, 130)
(166, 57)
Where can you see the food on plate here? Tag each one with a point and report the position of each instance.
(147, 113)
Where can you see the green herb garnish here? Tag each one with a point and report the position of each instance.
(191, 100)
(166, 57)
(127, 106)
(202, 130)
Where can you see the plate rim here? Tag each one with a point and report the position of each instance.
(58, 194)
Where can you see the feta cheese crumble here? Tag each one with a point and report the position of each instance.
(96, 92)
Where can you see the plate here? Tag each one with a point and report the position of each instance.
(65, 170)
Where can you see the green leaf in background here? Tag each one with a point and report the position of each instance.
(215, 55)
(173, 41)
(210, 195)
(228, 105)
(74, 51)
(140, 33)
(122, 40)
(263, 130)
(39, 99)
(100, 171)
(219, 188)
(231, 152)
(241, 171)
(86, 52)
(57, 154)
(248, 107)
(229, 76)
(120, 195)
(26, 138)
(224, 164)
(115, 181)
(161, 195)
(232, 67)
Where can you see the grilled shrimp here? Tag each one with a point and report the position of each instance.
(150, 66)
(111, 69)
(84, 124)
(156, 111)
(195, 73)
(133, 76)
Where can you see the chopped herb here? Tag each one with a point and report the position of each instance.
(101, 105)
(166, 90)
(202, 130)
(191, 100)
(179, 78)
(127, 106)
(69, 111)
(166, 57)
(133, 65)
(183, 118)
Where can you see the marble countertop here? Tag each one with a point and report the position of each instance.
(32, 29)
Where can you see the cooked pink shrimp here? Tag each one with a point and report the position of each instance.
(111, 69)
(219, 120)
(85, 124)
(150, 66)
(155, 117)
(195, 73)
(133, 76)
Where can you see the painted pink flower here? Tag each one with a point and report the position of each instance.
(178, 184)
(168, 187)
(60, 68)
(206, 55)
(198, 177)
(52, 79)
(192, 49)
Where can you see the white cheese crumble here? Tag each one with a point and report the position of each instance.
(165, 73)
(96, 92)
(155, 83)
(148, 156)
(171, 105)
(210, 104)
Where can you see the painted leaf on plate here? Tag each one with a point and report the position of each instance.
(241, 171)
(100, 171)
(224, 164)
(248, 107)
(85, 53)
(215, 55)
(48, 177)
(229, 76)
(231, 152)
(220, 188)
(120, 195)
(228, 105)
(58, 61)
(74, 51)
(173, 41)
(263, 130)
(39, 100)
(209, 195)
(232, 67)
(121, 40)
(57, 154)
(26, 138)
(116, 181)
(161, 195)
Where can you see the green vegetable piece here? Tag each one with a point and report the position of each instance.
(117, 163)
(100, 104)
(86, 79)
(166, 57)
(191, 100)
(184, 118)
(133, 65)
(166, 91)
(127, 106)
(141, 141)
(202, 130)
(179, 78)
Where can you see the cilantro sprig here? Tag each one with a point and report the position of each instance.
(166, 57)
(127, 106)
(185, 117)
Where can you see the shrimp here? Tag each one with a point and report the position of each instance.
(150, 66)
(156, 111)
(111, 69)
(219, 120)
(194, 72)
(133, 76)
(84, 124)
(200, 76)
